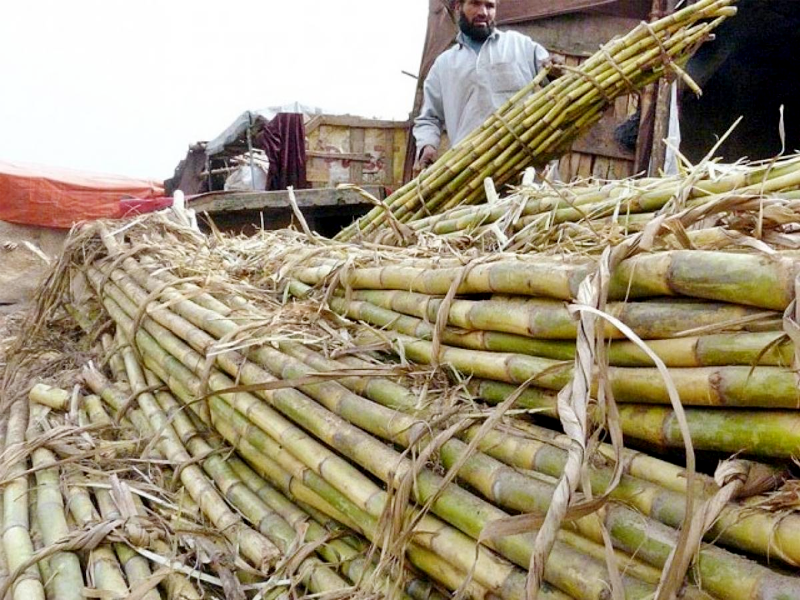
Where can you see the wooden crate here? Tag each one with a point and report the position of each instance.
(346, 149)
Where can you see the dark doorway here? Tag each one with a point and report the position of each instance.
(750, 70)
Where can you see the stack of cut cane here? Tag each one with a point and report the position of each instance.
(585, 215)
(284, 415)
(421, 475)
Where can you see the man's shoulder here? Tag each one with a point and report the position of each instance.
(509, 36)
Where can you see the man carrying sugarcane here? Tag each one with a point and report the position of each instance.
(473, 78)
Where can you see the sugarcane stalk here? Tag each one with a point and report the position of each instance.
(474, 470)
(107, 561)
(747, 348)
(748, 279)
(758, 532)
(356, 567)
(3, 561)
(17, 543)
(316, 576)
(67, 579)
(43, 564)
(371, 498)
(112, 349)
(209, 320)
(177, 586)
(435, 550)
(47, 395)
(548, 138)
(764, 387)
(365, 494)
(361, 448)
(738, 527)
(767, 433)
(253, 545)
(95, 411)
(550, 319)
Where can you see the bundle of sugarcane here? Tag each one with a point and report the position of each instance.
(81, 517)
(722, 338)
(367, 453)
(540, 215)
(135, 498)
(539, 123)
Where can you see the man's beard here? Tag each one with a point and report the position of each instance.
(476, 32)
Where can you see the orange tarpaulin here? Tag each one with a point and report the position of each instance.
(53, 197)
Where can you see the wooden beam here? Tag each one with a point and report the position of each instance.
(217, 202)
(362, 157)
(313, 124)
(514, 11)
(357, 135)
(350, 121)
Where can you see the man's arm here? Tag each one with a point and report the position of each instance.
(540, 57)
(429, 124)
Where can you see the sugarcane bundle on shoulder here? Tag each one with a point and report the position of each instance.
(539, 123)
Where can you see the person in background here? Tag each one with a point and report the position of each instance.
(473, 78)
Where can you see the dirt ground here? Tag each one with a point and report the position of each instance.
(25, 255)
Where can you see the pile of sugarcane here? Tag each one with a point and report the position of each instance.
(356, 385)
(114, 490)
(585, 215)
(541, 121)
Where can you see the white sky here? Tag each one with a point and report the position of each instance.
(125, 86)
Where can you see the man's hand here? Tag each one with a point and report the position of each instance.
(426, 158)
(556, 66)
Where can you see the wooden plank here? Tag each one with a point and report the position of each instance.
(351, 121)
(515, 11)
(585, 166)
(574, 164)
(577, 34)
(599, 140)
(621, 169)
(357, 147)
(388, 157)
(621, 108)
(236, 201)
(564, 167)
(600, 167)
(313, 124)
(339, 155)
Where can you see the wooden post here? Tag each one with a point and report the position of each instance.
(662, 113)
(644, 140)
(660, 127)
(250, 151)
(388, 157)
(647, 141)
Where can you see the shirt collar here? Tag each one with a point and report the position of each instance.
(460, 38)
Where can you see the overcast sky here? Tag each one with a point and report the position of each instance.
(124, 87)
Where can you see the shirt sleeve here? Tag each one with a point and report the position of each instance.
(540, 56)
(429, 124)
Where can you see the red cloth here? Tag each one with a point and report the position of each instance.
(284, 141)
(53, 197)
